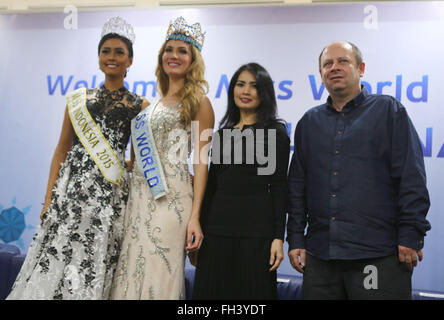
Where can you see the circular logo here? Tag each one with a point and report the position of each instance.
(12, 224)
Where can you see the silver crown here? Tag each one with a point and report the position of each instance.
(119, 26)
(180, 30)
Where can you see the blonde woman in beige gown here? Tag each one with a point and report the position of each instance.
(158, 232)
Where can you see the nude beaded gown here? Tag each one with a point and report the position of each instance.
(152, 260)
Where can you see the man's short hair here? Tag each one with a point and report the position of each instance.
(356, 51)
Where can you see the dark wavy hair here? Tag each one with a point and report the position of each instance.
(128, 43)
(267, 109)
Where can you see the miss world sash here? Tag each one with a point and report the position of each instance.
(146, 153)
(92, 138)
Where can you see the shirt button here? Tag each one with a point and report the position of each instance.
(333, 196)
(335, 173)
(333, 218)
(337, 151)
(339, 132)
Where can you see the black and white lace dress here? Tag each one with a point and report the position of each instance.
(75, 251)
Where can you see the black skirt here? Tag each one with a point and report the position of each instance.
(234, 268)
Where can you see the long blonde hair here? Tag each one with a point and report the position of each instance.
(195, 86)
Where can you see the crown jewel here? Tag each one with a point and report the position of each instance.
(180, 30)
(119, 26)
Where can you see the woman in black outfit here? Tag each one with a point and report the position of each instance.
(243, 211)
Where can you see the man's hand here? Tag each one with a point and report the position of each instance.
(409, 256)
(297, 259)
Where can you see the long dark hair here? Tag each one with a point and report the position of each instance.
(267, 109)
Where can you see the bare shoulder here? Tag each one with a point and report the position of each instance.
(205, 100)
(145, 103)
(205, 112)
(205, 106)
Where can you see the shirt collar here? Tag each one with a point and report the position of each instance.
(355, 102)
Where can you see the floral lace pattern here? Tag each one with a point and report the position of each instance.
(76, 248)
(151, 265)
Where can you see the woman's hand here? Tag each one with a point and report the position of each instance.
(44, 209)
(276, 254)
(194, 235)
(129, 164)
(63, 147)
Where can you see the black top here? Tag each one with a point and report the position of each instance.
(246, 192)
(357, 177)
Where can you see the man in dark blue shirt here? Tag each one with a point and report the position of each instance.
(357, 178)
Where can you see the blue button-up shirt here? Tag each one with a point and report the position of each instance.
(357, 178)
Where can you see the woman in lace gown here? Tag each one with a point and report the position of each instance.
(75, 251)
(159, 231)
